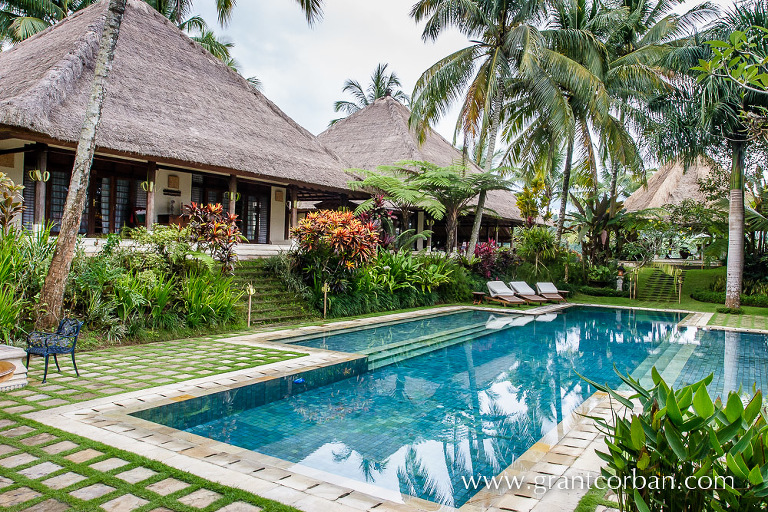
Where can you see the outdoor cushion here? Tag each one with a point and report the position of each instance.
(547, 288)
(522, 288)
(498, 288)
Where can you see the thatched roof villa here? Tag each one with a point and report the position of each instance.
(178, 126)
(379, 135)
(671, 184)
(174, 117)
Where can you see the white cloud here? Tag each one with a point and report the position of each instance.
(303, 69)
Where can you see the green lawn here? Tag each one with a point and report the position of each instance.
(45, 469)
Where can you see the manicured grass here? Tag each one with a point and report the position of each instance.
(593, 499)
(695, 279)
(31, 453)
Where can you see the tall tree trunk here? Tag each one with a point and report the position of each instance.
(52, 294)
(492, 133)
(735, 263)
(565, 190)
(451, 224)
(614, 186)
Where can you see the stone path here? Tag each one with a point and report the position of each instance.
(47, 470)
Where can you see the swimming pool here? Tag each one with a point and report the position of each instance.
(469, 404)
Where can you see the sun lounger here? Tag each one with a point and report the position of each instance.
(549, 291)
(500, 292)
(526, 293)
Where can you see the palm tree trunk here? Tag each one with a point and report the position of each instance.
(52, 294)
(565, 190)
(492, 133)
(735, 263)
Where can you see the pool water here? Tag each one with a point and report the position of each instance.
(471, 408)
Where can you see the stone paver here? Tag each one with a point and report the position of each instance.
(17, 460)
(17, 431)
(64, 480)
(84, 455)
(40, 470)
(17, 496)
(4, 449)
(109, 464)
(124, 503)
(38, 439)
(48, 506)
(167, 486)
(63, 446)
(5, 482)
(136, 475)
(239, 506)
(92, 492)
(200, 498)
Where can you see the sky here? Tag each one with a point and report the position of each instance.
(303, 69)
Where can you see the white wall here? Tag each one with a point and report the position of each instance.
(13, 166)
(277, 216)
(162, 201)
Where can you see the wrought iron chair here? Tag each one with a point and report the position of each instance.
(63, 341)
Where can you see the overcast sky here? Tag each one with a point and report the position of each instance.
(303, 69)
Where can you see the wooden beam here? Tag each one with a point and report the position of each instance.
(232, 193)
(151, 179)
(294, 207)
(24, 149)
(40, 187)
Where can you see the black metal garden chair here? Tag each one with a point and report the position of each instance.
(63, 341)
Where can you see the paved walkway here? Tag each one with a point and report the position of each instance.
(45, 469)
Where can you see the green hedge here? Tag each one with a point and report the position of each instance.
(599, 292)
(361, 303)
(760, 301)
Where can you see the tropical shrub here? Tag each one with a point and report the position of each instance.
(208, 300)
(332, 246)
(214, 232)
(538, 245)
(10, 203)
(705, 454)
(601, 274)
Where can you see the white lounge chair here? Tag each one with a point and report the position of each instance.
(526, 293)
(549, 291)
(500, 292)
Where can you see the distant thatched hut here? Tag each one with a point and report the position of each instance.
(671, 184)
(379, 135)
(178, 126)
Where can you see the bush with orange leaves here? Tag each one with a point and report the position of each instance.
(332, 246)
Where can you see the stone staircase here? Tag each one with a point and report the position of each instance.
(272, 302)
(392, 353)
(660, 287)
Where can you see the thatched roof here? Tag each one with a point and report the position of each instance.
(671, 184)
(167, 99)
(379, 135)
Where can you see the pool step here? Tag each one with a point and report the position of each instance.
(395, 352)
(669, 362)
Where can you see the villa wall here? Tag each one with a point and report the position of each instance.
(164, 194)
(13, 166)
(277, 215)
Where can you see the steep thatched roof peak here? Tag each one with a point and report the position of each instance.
(167, 99)
(671, 184)
(379, 135)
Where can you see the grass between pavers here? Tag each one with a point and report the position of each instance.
(139, 493)
(594, 498)
(103, 373)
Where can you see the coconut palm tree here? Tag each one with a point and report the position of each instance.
(706, 115)
(52, 293)
(381, 84)
(502, 47)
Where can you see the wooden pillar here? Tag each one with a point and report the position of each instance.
(151, 179)
(232, 193)
(40, 187)
(294, 207)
